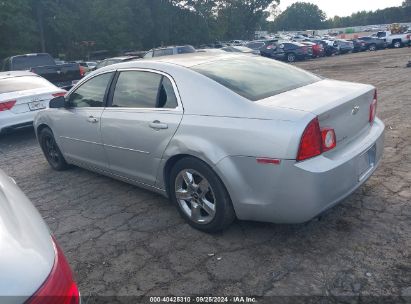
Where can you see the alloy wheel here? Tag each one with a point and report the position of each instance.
(195, 196)
(51, 149)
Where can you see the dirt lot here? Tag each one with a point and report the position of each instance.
(121, 240)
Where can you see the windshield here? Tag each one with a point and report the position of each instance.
(256, 78)
(23, 83)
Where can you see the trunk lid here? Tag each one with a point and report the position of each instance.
(343, 106)
(30, 100)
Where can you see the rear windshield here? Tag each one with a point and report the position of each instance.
(23, 83)
(256, 78)
(27, 62)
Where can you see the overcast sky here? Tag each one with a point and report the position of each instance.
(345, 7)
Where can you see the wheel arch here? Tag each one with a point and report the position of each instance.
(170, 162)
(41, 127)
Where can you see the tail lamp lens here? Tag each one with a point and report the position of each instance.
(373, 108)
(310, 144)
(315, 141)
(328, 139)
(59, 94)
(59, 287)
(7, 105)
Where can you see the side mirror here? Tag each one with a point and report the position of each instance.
(57, 103)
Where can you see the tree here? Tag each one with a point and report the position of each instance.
(300, 16)
(406, 3)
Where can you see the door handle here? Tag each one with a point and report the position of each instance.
(157, 125)
(92, 119)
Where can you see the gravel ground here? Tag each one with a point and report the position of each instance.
(121, 240)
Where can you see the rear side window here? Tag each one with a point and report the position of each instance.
(91, 93)
(256, 78)
(166, 96)
(26, 62)
(23, 83)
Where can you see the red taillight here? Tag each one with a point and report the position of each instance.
(373, 108)
(316, 141)
(329, 140)
(59, 287)
(82, 71)
(310, 144)
(7, 105)
(59, 94)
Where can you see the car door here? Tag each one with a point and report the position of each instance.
(142, 116)
(78, 125)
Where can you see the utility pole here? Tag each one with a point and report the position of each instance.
(39, 11)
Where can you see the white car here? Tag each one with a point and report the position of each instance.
(22, 95)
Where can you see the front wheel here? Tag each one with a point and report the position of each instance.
(200, 196)
(372, 47)
(291, 57)
(51, 151)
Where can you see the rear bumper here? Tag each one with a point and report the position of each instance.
(10, 120)
(295, 192)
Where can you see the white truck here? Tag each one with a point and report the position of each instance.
(395, 40)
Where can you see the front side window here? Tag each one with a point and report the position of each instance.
(136, 89)
(91, 93)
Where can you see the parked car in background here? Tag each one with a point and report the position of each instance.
(170, 50)
(286, 51)
(256, 45)
(395, 40)
(373, 43)
(359, 45)
(237, 42)
(33, 267)
(114, 60)
(61, 75)
(177, 125)
(329, 48)
(22, 95)
(343, 46)
(317, 49)
(240, 49)
(88, 65)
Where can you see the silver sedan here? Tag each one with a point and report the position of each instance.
(33, 267)
(221, 135)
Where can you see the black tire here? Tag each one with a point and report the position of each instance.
(291, 57)
(397, 44)
(224, 211)
(51, 151)
(372, 47)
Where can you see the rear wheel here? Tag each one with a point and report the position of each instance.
(51, 151)
(397, 44)
(291, 57)
(200, 196)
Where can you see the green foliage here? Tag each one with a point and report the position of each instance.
(300, 16)
(75, 27)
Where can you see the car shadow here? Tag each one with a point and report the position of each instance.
(12, 137)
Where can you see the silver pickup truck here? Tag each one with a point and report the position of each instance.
(395, 40)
